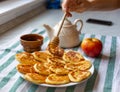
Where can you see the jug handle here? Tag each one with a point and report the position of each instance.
(81, 22)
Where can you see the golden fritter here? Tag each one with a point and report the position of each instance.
(73, 57)
(41, 69)
(35, 78)
(25, 58)
(57, 79)
(23, 68)
(77, 75)
(56, 65)
(83, 65)
(56, 60)
(59, 69)
(41, 56)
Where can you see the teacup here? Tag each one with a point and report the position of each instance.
(31, 42)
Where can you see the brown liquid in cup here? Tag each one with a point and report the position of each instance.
(31, 42)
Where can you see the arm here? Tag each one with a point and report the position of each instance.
(105, 5)
(89, 5)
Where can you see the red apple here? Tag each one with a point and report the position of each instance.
(91, 46)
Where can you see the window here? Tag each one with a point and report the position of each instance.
(10, 9)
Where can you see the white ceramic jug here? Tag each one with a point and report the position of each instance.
(69, 34)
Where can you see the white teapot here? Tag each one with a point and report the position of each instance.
(69, 34)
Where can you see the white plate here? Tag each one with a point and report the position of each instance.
(68, 84)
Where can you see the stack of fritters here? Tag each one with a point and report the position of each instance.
(43, 67)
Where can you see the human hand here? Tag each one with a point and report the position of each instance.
(69, 6)
(75, 6)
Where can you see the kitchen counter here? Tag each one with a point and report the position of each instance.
(52, 17)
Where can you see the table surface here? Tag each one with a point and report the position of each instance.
(104, 79)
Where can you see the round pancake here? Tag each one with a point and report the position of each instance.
(77, 75)
(56, 65)
(73, 57)
(35, 78)
(25, 58)
(71, 66)
(59, 69)
(23, 68)
(56, 60)
(57, 79)
(41, 55)
(41, 69)
(83, 65)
